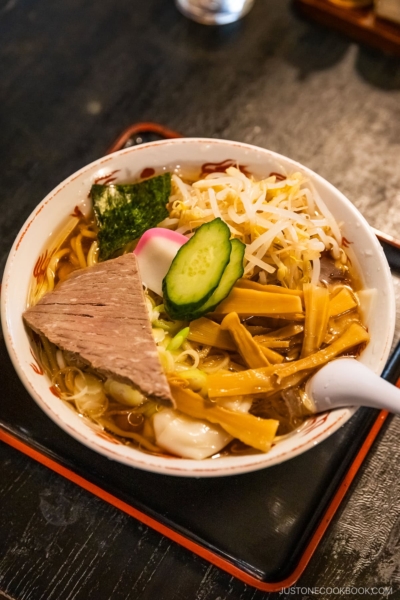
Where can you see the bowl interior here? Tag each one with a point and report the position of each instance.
(188, 155)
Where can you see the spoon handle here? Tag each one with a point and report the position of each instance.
(347, 382)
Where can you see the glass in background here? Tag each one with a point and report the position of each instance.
(214, 12)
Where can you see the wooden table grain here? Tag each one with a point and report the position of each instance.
(73, 74)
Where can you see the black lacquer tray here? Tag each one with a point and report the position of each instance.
(261, 527)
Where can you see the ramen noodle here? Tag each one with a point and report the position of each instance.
(238, 373)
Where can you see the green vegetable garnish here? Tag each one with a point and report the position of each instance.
(178, 340)
(125, 212)
(197, 269)
(203, 272)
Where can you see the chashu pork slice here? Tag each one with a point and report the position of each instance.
(100, 314)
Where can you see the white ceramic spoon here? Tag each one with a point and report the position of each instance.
(347, 382)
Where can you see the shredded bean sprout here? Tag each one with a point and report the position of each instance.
(286, 217)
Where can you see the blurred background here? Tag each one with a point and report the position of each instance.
(74, 74)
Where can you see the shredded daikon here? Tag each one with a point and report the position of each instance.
(285, 225)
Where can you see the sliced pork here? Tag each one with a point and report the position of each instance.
(100, 314)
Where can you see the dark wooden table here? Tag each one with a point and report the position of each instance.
(73, 74)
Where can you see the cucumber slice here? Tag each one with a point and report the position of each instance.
(197, 269)
(232, 273)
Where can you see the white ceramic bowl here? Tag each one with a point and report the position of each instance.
(190, 154)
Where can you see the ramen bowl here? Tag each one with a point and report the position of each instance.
(188, 155)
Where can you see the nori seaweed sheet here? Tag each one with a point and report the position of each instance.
(124, 212)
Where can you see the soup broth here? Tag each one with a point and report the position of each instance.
(191, 353)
